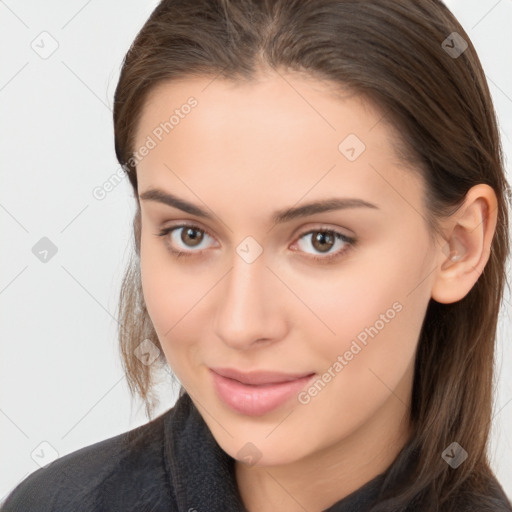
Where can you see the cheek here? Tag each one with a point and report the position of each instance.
(382, 294)
(163, 285)
(174, 294)
(374, 315)
(368, 363)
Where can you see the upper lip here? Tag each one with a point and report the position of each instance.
(259, 377)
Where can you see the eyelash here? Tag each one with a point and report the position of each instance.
(321, 259)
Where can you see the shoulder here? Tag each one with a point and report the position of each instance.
(482, 494)
(108, 475)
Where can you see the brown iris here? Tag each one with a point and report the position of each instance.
(188, 234)
(321, 238)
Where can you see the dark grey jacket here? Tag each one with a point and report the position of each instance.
(172, 463)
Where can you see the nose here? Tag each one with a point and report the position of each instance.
(250, 309)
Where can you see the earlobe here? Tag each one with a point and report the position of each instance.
(463, 256)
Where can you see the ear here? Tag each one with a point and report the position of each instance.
(464, 252)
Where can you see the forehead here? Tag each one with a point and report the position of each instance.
(279, 133)
(307, 106)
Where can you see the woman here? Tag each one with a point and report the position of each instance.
(320, 244)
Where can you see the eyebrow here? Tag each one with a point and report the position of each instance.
(278, 217)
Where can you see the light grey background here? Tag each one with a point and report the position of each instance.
(61, 379)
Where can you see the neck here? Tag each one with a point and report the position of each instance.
(323, 478)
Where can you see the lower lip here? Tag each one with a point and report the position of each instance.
(256, 400)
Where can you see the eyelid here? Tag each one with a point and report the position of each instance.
(319, 226)
(350, 240)
(315, 226)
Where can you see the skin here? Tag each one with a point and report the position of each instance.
(246, 150)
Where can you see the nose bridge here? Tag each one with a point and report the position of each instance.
(245, 312)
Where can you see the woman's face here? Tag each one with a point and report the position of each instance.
(248, 293)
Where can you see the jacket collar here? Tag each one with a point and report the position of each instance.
(202, 473)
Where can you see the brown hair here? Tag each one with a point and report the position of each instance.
(392, 53)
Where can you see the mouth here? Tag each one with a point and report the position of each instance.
(257, 393)
(259, 377)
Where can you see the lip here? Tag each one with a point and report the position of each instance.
(257, 393)
(259, 377)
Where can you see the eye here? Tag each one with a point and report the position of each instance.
(191, 236)
(322, 239)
